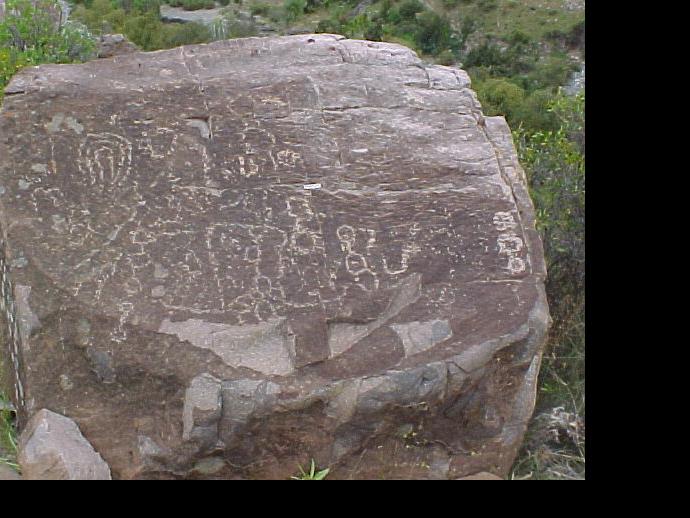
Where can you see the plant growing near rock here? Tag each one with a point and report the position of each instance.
(294, 9)
(312, 474)
(555, 165)
(8, 441)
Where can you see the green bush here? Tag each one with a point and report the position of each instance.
(554, 162)
(384, 8)
(501, 97)
(392, 16)
(136, 6)
(446, 58)
(195, 5)
(314, 5)
(408, 9)
(142, 24)
(487, 55)
(102, 16)
(260, 8)
(555, 166)
(144, 31)
(176, 34)
(329, 26)
(552, 72)
(432, 33)
(294, 9)
(468, 26)
(518, 56)
(374, 31)
(536, 112)
(30, 35)
(487, 5)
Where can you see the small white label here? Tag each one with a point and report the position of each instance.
(312, 186)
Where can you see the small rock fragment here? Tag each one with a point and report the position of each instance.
(51, 447)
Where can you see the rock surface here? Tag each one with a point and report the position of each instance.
(483, 475)
(224, 260)
(110, 45)
(179, 15)
(7, 473)
(51, 447)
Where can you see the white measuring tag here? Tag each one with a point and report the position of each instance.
(312, 186)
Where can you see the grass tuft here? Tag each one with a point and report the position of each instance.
(8, 434)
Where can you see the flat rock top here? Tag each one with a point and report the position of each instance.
(305, 203)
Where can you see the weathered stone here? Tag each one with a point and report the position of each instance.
(224, 260)
(202, 409)
(179, 15)
(7, 473)
(483, 475)
(51, 447)
(110, 45)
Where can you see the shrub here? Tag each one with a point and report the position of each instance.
(554, 162)
(433, 33)
(446, 58)
(195, 5)
(314, 5)
(329, 26)
(144, 31)
(468, 27)
(136, 6)
(294, 9)
(101, 17)
(176, 34)
(486, 55)
(260, 9)
(408, 9)
(536, 113)
(487, 5)
(30, 35)
(500, 97)
(518, 57)
(555, 166)
(449, 4)
(551, 72)
(374, 31)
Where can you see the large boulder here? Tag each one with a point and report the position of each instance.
(224, 260)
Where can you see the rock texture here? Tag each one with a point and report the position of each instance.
(7, 473)
(481, 476)
(52, 448)
(179, 15)
(224, 260)
(110, 45)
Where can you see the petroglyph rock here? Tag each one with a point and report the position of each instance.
(224, 260)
